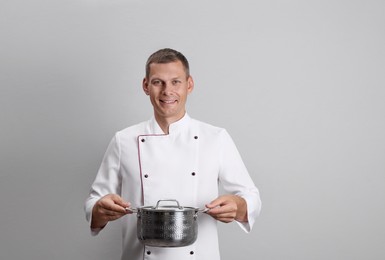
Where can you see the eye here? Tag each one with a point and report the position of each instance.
(176, 82)
(156, 82)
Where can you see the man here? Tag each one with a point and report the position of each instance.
(172, 156)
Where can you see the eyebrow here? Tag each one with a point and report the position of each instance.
(157, 78)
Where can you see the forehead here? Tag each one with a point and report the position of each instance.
(170, 70)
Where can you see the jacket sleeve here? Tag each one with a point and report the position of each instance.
(107, 181)
(236, 180)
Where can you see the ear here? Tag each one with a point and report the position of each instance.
(190, 84)
(145, 86)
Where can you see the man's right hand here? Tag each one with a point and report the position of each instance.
(108, 208)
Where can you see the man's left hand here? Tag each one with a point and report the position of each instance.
(227, 208)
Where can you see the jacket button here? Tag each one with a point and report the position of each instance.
(146, 176)
(191, 252)
(148, 252)
(193, 173)
(196, 137)
(143, 140)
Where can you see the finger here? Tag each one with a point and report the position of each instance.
(119, 201)
(130, 210)
(224, 215)
(231, 208)
(114, 199)
(215, 203)
(117, 209)
(221, 201)
(110, 205)
(112, 213)
(115, 217)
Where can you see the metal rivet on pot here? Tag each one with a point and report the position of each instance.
(148, 252)
(191, 252)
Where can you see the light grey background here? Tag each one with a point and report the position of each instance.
(298, 84)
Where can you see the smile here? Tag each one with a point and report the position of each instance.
(168, 101)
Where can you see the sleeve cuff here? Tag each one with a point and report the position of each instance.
(253, 209)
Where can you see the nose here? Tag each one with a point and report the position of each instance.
(167, 88)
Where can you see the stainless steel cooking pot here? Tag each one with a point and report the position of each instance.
(167, 225)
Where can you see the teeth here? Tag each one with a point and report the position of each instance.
(168, 101)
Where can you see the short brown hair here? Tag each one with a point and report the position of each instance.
(167, 55)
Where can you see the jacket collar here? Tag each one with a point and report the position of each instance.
(173, 128)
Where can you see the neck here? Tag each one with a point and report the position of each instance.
(164, 123)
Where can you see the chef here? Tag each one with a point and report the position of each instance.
(172, 156)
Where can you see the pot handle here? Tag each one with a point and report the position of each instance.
(198, 211)
(203, 210)
(133, 210)
(177, 202)
(206, 209)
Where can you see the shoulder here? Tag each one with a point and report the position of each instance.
(209, 129)
(132, 131)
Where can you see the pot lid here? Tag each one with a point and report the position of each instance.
(176, 207)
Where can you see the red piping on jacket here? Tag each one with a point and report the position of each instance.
(140, 161)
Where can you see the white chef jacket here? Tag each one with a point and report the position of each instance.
(144, 165)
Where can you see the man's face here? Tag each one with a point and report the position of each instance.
(168, 87)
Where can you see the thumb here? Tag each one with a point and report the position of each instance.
(215, 203)
(119, 201)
